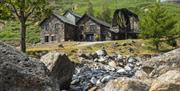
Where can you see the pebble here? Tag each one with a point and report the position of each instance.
(131, 60)
(112, 64)
(106, 79)
(121, 71)
(127, 68)
(102, 59)
(75, 81)
(93, 80)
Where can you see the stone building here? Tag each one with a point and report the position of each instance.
(73, 27)
(125, 25)
(92, 29)
(57, 28)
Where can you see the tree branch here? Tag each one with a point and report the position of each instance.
(30, 12)
(16, 12)
(13, 9)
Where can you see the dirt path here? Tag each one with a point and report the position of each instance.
(91, 43)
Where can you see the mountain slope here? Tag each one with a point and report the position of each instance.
(11, 31)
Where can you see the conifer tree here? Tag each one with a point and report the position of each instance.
(158, 26)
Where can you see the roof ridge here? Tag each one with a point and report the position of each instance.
(75, 14)
(98, 20)
(64, 19)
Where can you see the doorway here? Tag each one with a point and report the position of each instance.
(46, 39)
(90, 37)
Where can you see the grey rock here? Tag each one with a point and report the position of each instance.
(20, 73)
(126, 84)
(75, 81)
(132, 60)
(106, 79)
(93, 80)
(168, 59)
(96, 60)
(98, 83)
(101, 53)
(127, 68)
(169, 81)
(102, 59)
(119, 57)
(121, 71)
(131, 65)
(60, 67)
(112, 64)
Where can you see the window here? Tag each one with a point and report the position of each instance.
(93, 27)
(46, 38)
(57, 27)
(46, 26)
(53, 38)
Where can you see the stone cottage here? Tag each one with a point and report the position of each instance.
(72, 27)
(93, 29)
(57, 28)
(125, 25)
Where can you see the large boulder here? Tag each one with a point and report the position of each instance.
(159, 65)
(169, 81)
(61, 68)
(126, 84)
(141, 75)
(20, 73)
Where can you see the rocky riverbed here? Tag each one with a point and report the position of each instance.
(97, 72)
(99, 68)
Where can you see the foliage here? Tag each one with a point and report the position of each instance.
(90, 9)
(158, 25)
(4, 13)
(105, 15)
(29, 6)
(23, 9)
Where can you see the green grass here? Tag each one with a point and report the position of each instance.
(11, 33)
(140, 47)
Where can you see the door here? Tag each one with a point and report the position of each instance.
(46, 39)
(90, 37)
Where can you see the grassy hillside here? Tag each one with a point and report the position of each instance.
(81, 5)
(10, 33)
(11, 30)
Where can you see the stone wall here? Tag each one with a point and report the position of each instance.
(91, 28)
(70, 33)
(52, 27)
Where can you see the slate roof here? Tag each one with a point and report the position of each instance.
(62, 18)
(95, 20)
(73, 13)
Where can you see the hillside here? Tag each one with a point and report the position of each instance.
(137, 6)
(80, 6)
(11, 30)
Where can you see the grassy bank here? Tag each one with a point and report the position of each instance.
(125, 47)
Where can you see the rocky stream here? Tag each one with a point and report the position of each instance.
(97, 72)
